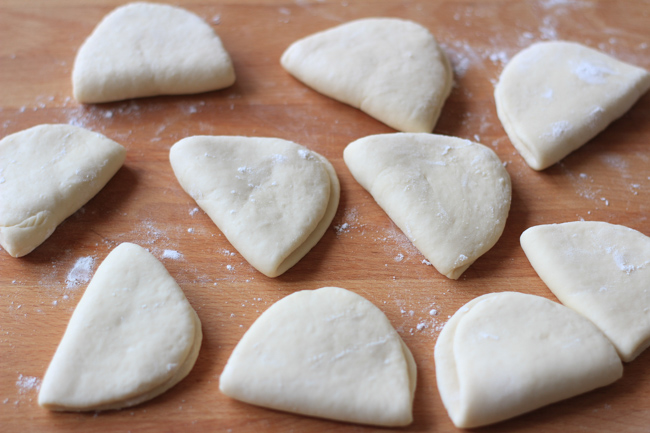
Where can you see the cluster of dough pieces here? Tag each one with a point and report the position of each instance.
(329, 352)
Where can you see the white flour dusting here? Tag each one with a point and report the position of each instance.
(549, 4)
(342, 228)
(27, 383)
(171, 254)
(558, 129)
(80, 272)
(592, 74)
(350, 222)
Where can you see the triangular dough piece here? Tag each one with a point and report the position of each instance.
(391, 69)
(600, 270)
(449, 196)
(326, 353)
(132, 336)
(504, 354)
(148, 49)
(553, 97)
(273, 199)
(46, 174)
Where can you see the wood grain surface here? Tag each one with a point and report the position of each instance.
(607, 179)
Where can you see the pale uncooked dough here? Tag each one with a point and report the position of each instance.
(553, 97)
(449, 196)
(273, 199)
(327, 353)
(132, 336)
(504, 354)
(46, 174)
(600, 270)
(392, 69)
(148, 49)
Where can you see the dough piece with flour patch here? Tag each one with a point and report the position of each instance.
(391, 69)
(46, 174)
(553, 97)
(449, 196)
(326, 353)
(505, 354)
(600, 270)
(132, 337)
(273, 199)
(148, 49)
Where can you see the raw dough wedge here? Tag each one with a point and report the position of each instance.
(132, 337)
(600, 270)
(326, 353)
(46, 174)
(553, 97)
(449, 196)
(391, 69)
(504, 354)
(273, 199)
(148, 49)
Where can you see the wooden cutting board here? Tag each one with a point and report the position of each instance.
(608, 180)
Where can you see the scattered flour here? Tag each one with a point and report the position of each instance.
(279, 158)
(558, 129)
(350, 222)
(150, 232)
(592, 74)
(80, 272)
(27, 383)
(171, 254)
(551, 4)
(229, 253)
(342, 228)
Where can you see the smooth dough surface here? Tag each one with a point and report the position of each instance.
(504, 354)
(391, 69)
(600, 270)
(449, 196)
(326, 353)
(273, 199)
(132, 336)
(148, 49)
(46, 174)
(553, 97)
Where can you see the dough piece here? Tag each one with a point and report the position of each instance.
(132, 337)
(326, 353)
(148, 49)
(391, 69)
(46, 174)
(273, 199)
(504, 354)
(553, 97)
(600, 270)
(449, 196)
